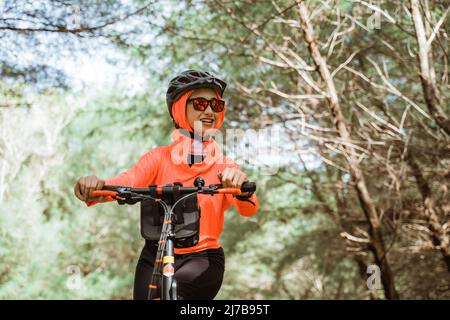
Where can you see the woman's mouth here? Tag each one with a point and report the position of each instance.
(207, 122)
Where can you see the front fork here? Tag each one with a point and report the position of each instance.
(169, 285)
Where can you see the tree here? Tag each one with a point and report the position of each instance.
(279, 79)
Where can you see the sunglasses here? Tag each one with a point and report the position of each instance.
(201, 104)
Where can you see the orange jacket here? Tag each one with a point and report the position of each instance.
(156, 167)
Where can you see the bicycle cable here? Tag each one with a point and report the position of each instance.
(157, 270)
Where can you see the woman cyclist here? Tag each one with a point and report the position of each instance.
(194, 100)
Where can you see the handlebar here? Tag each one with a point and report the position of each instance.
(133, 195)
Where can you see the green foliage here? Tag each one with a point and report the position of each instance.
(53, 247)
(51, 240)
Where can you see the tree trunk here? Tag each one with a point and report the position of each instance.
(362, 267)
(377, 245)
(440, 238)
(430, 91)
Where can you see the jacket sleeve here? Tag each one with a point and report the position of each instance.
(245, 208)
(140, 175)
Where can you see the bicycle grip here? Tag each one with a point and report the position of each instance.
(103, 193)
(248, 187)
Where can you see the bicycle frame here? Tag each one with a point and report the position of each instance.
(164, 266)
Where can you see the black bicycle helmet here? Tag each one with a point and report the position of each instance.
(191, 79)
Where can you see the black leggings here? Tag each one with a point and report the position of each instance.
(199, 275)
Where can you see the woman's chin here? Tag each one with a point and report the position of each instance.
(206, 130)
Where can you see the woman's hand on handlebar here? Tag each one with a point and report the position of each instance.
(84, 187)
(232, 178)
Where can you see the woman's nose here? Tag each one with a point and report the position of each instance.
(208, 110)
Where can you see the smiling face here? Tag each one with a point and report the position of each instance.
(201, 121)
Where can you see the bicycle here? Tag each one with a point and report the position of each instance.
(165, 259)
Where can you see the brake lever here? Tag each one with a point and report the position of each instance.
(127, 197)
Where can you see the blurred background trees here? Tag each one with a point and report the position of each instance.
(358, 91)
